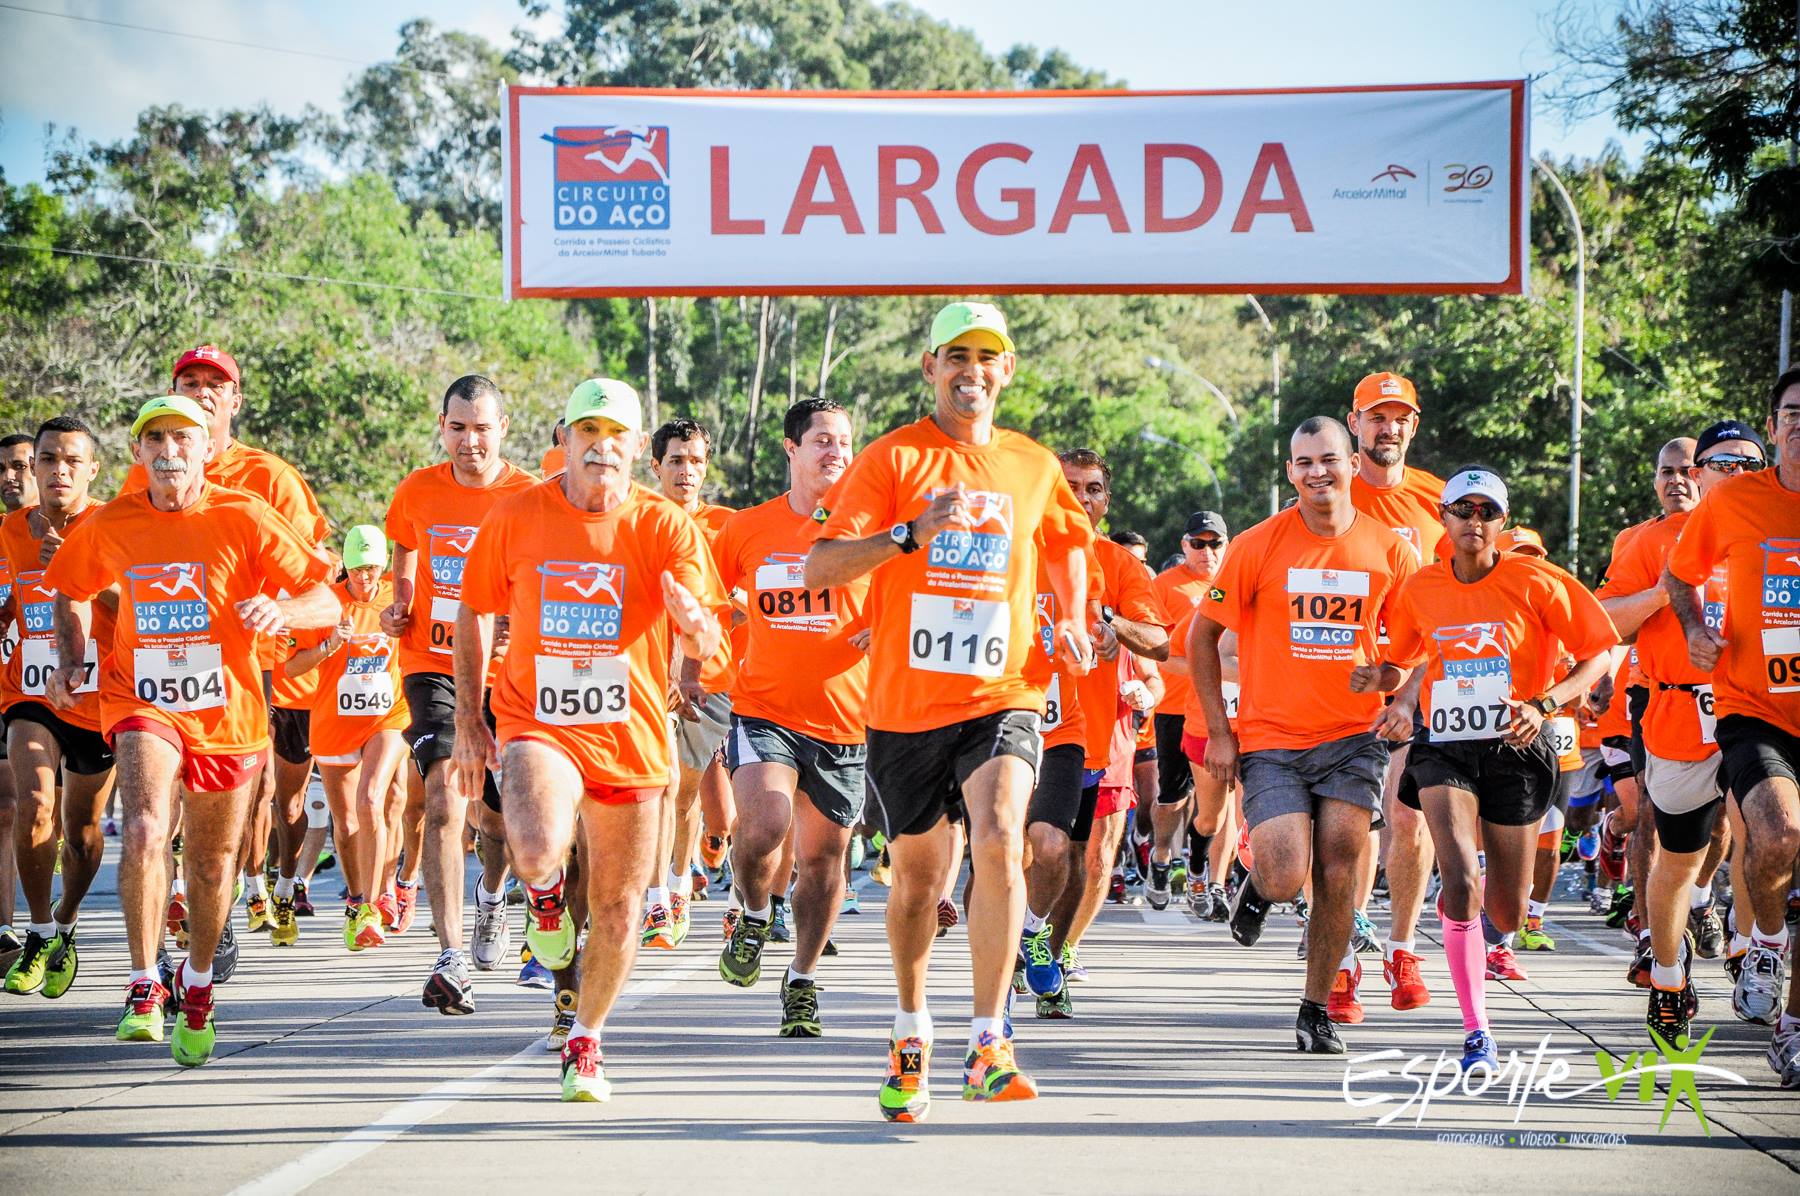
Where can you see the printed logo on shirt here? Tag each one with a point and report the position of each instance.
(168, 598)
(1472, 650)
(985, 546)
(450, 545)
(581, 600)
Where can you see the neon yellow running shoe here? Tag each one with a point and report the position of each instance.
(195, 1032)
(549, 930)
(362, 929)
(26, 975)
(257, 910)
(906, 1092)
(284, 928)
(991, 1074)
(1533, 938)
(680, 918)
(59, 973)
(143, 1017)
(584, 1071)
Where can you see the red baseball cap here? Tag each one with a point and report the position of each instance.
(211, 355)
(1384, 387)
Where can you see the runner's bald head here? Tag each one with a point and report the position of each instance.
(1326, 427)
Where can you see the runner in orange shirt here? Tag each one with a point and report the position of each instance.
(1384, 417)
(554, 457)
(45, 746)
(17, 490)
(1681, 750)
(950, 515)
(1305, 591)
(794, 732)
(432, 522)
(357, 716)
(178, 688)
(1488, 627)
(1750, 526)
(600, 580)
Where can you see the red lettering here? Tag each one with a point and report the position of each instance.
(1272, 159)
(893, 192)
(1089, 161)
(722, 223)
(822, 163)
(1023, 199)
(1211, 185)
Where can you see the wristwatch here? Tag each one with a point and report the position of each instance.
(1107, 614)
(902, 534)
(1544, 704)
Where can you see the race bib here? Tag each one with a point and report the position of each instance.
(443, 624)
(180, 680)
(1465, 708)
(959, 635)
(583, 691)
(1781, 658)
(1564, 737)
(1325, 612)
(366, 688)
(784, 600)
(1709, 721)
(1230, 691)
(38, 659)
(1053, 710)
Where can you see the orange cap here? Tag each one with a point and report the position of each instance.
(1384, 387)
(1524, 540)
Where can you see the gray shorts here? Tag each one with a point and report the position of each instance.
(831, 774)
(1281, 781)
(698, 742)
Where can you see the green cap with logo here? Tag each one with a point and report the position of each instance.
(364, 545)
(605, 398)
(958, 318)
(158, 406)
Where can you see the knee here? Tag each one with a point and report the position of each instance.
(991, 849)
(1460, 896)
(534, 856)
(145, 833)
(1047, 842)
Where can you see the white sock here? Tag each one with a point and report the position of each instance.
(1775, 942)
(284, 888)
(1702, 897)
(675, 879)
(1348, 963)
(44, 930)
(255, 885)
(760, 915)
(658, 896)
(913, 1025)
(1535, 909)
(985, 1025)
(1394, 945)
(548, 884)
(794, 975)
(683, 884)
(736, 902)
(64, 927)
(1740, 943)
(1644, 935)
(486, 898)
(1034, 921)
(145, 974)
(179, 889)
(1666, 977)
(582, 1030)
(193, 977)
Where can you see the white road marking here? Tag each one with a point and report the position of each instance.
(1588, 941)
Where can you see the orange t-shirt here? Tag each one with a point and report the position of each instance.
(1411, 509)
(554, 460)
(180, 654)
(1125, 586)
(24, 675)
(1635, 674)
(434, 516)
(1677, 723)
(9, 636)
(357, 693)
(1750, 525)
(1306, 609)
(799, 668)
(588, 666)
(1193, 714)
(953, 621)
(719, 673)
(1178, 590)
(1048, 672)
(1492, 639)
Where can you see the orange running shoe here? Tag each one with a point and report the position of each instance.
(1402, 975)
(990, 1074)
(906, 1093)
(388, 908)
(178, 920)
(712, 850)
(1342, 1006)
(406, 904)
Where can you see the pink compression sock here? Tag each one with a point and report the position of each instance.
(1463, 950)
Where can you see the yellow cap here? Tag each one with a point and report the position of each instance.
(958, 318)
(364, 545)
(161, 405)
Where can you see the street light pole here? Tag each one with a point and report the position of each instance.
(1580, 338)
(1158, 438)
(1171, 367)
(1275, 402)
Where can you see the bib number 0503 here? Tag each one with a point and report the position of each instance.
(583, 692)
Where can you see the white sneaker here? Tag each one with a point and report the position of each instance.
(1784, 1056)
(493, 935)
(1758, 994)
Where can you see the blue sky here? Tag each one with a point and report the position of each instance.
(96, 78)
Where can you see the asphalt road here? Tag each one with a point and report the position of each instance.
(1178, 1073)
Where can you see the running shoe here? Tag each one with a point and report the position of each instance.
(389, 909)
(1638, 974)
(1178, 875)
(1587, 845)
(698, 883)
(1073, 971)
(729, 922)
(26, 975)
(1363, 935)
(1671, 1013)
(659, 928)
(177, 920)
(906, 1092)
(858, 852)
(59, 972)
(561, 1021)
(1221, 904)
(1342, 1006)
(829, 949)
(363, 930)
(1199, 898)
(1734, 964)
(1115, 891)
(852, 904)
(1533, 938)
(325, 861)
(195, 1031)
(257, 910)
(800, 1009)
(882, 873)
(10, 946)
(584, 1071)
(493, 934)
(1784, 1056)
(143, 1017)
(1502, 964)
(1248, 913)
(284, 931)
(110, 828)
(449, 990)
(1043, 972)
(225, 958)
(303, 906)
(991, 1074)
(680, 918)
(1056, 1008)
(1313, 1032)
(946, 916)
(1300, 946)
(1599, 901)
(1623, 898)
(778, 925)
(1757, 996)
(1156, 888)
(1479, 1050)
(1407, 987)
(533, 974)
(712, 851)
(406, 906)
(740, 962)
(1708, 931)
(1019, 987)
(549, 930)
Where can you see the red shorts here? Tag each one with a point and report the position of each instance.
(1114, 799)
(1194, 748)
(604, 792)
(201, 773)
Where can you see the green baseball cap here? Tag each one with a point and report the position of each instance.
(958, 318)
(364, 545)
(605, 398)
(161, 405)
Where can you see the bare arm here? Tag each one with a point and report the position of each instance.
(1705, 645)
(307, 659)
(1146, 640)
(399, 613)
(475, 751)
(1629, 611)
(1068, 581)
(69, 622)
(837, 562)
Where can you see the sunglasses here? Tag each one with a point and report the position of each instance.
(1212, 542)
(1727, 464)
(1464, 508)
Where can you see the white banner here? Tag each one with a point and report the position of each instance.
(1376, 189)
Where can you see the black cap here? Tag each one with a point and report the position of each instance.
(1206, 521)
(1728, 429)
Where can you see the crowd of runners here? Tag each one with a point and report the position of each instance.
(922, 654)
